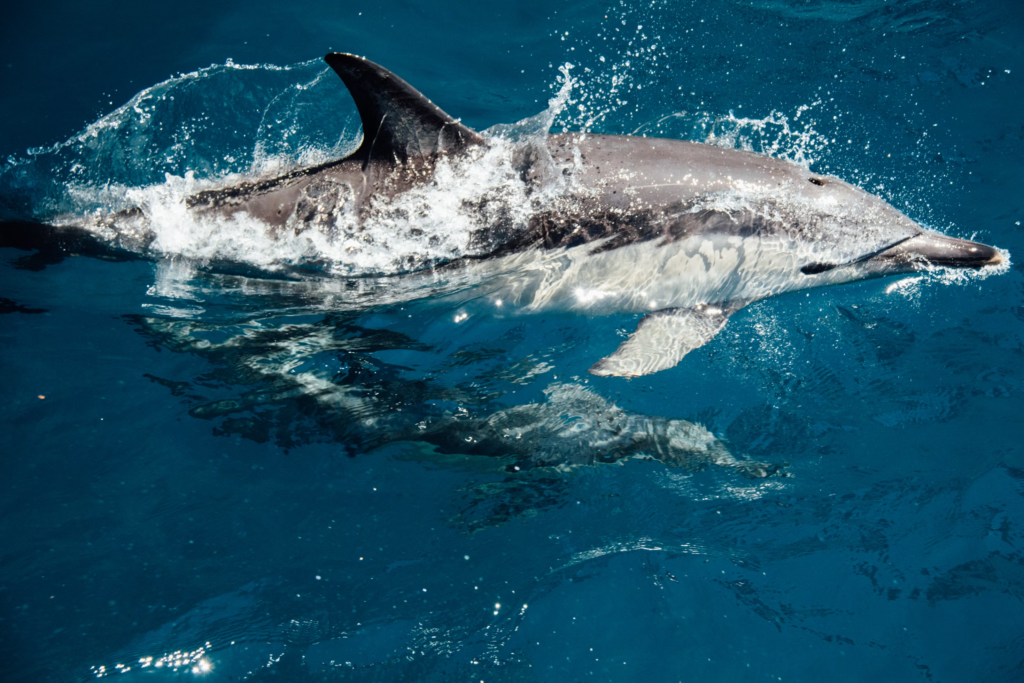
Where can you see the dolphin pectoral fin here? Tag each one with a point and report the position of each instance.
(662, 339)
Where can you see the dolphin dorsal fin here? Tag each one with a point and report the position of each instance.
(399, 123)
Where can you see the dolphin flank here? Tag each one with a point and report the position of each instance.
(686, 233)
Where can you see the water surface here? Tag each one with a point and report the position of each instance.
(212, 474)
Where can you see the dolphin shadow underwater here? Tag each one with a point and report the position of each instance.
(683, 232)
(311, 382)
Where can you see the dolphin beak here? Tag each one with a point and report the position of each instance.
(931, 248)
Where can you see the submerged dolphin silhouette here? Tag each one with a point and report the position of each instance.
(685, 232)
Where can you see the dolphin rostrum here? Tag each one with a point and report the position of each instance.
(686, 233)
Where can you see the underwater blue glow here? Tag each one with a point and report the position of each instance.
(213, 475)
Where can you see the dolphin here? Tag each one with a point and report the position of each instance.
(682, 232)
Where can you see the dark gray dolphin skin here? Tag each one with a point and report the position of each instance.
(684, 232)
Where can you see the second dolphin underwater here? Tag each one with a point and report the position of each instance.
(684, 232)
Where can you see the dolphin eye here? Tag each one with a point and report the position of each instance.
(817, 181)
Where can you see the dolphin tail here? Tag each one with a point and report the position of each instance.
(52, 244)
(663, 338)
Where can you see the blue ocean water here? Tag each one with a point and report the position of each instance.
(219, 476)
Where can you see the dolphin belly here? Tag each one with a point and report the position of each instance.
(651, 276)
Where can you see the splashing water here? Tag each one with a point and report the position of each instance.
(268, 118)
(423, 226)
(291, 115)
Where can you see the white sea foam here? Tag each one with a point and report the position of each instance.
(431, 223)
(426, 225)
